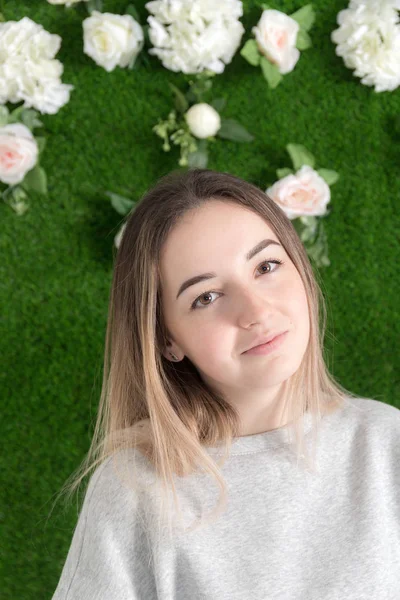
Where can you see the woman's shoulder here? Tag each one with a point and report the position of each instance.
(372, 415)
(118, 480)
(370, 407)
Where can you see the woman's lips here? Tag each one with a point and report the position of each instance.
(269, 346)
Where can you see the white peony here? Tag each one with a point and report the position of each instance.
(28, 69)
(276, 35)
(368, 39)
(193, 36)
(302, 194)
(18, 152)
(112, 40)
(66, 2)
(203, 120)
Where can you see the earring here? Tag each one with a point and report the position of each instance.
(173, 356)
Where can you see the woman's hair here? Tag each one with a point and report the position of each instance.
(163, 409)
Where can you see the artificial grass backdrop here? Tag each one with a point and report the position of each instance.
(56, 263)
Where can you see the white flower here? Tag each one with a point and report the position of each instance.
(47, 96)
(193, 36)
(203, 120)
(112, 40)
(28, 69)
(66, 2)
(18, 152)
(302, 194)
(276, 35)
(118, 237)
(368, 39)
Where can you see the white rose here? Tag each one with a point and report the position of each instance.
(276, 35)
(28, 69)
(66, 2)
(14, 35)
(112, 40)
(203, 120)
(45, 96)
(18, 152)
(368, 40)
(191, 37)
(42, 46)
(304, 194)
(8, 88)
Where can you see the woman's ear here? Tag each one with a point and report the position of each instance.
(171, 356)
(168, 352)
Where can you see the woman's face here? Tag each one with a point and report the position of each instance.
(242, 301)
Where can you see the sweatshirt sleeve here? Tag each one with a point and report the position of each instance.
(109, 557)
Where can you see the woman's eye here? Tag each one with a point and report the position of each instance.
(195, 306)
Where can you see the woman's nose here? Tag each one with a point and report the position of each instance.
(253, 308)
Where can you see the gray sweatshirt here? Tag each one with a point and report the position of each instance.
(286, 534)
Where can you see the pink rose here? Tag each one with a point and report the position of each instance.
(18, 152)
(302, 194)
(276, 35)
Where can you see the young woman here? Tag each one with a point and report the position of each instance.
(213, 368)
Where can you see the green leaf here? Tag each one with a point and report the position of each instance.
(121, 204)
(218, 104)
(202, 144)
(94, 5)
(144, 60)
(305, 16)
(138, 60)
(303, 40)
(41, 142)
(271, 73)
(4, 113)
(300, 156)
(131, 10)
(232, 130)
(328, 175)
(264, 6)
(310, 228)
(199, 88)
(15, 197)
(181, 104)
(29, 118)
(36, 180)
(15, 115)
(146, 29)
(134, 64)
(199, 159)
(251, 53)
(284, 172)
(318, 248)
(14, 193)
(2, 18)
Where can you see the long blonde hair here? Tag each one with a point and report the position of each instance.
(162, 409)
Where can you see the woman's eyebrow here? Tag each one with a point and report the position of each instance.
(198, 278)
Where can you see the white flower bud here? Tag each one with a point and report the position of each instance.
(203, 120)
